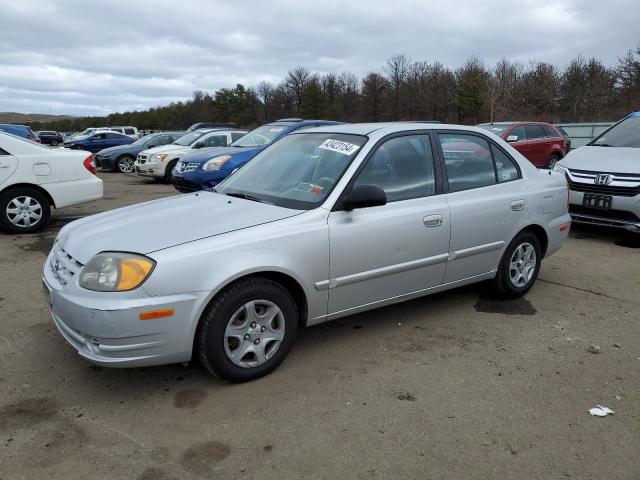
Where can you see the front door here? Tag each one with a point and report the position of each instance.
(388, 251)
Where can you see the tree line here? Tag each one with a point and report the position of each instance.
(586, 90)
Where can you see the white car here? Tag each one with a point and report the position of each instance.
(35, 178)
(159, 162)
(128, 131)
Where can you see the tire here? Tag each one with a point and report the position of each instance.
(54, 143)
(226, 337)
(168, 173)
(124, 164)
(24, 210)
(552, 161)
(516, 275)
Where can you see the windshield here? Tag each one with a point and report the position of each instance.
(298, 171)
(623, 134)
(189, 138)
(495, 129)
(263, 135)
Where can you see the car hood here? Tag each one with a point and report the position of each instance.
(118, 149)
(202, 156)
(166, 148)
(159, 224)
(604, 159)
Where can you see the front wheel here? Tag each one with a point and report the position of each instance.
(519, 266)
(24, 210)
(552, 161)
(248, 330)
(168, 173)
(125, 164)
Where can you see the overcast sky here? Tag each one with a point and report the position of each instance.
(93, 58)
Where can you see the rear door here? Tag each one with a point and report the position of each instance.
(537, 139)
(488, 201)
(384, 252)
(8, 164)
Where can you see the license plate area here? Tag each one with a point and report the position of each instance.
(600, 202)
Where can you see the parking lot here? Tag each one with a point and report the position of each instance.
(455, 385)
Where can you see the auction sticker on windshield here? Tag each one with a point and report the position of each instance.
(339, 147)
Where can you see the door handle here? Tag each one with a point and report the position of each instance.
(517, 205)
(433, 220)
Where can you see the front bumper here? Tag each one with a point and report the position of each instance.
(104, 162)
(108, 331)
(148, 169)
(185, 186)
(624, 212)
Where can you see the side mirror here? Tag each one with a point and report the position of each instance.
(512, 138)
(363, 196)
(199, 145)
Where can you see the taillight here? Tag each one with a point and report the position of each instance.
(89, 164)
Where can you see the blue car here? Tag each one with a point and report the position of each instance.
(98, 141)
(19, 131)
(121, 157)
(205, 169)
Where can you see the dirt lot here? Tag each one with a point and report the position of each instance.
(455, 385)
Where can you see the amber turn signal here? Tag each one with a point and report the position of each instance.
(153, 314)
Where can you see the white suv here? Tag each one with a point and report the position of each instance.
(128, 131)
(158, 163)
(34, 178)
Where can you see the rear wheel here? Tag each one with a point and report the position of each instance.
(124, 164)
(248, 330)
(54, 143)
(519, 266)
(24, 210)
(552, 161)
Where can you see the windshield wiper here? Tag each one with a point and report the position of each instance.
(246, 196)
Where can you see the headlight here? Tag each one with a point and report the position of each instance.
(159, 156)
(115, 272)
(559, 168)
(216, 163)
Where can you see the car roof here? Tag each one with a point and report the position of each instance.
(389, 127)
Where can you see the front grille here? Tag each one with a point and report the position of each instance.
(589, 185)
(142, 159)
(616, 191)
(622, 215)
(183, 167)
(63, 266)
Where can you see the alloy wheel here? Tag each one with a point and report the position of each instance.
(125, 164)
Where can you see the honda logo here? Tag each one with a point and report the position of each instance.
(602, 179)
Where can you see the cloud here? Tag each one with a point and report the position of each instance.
(75, 57)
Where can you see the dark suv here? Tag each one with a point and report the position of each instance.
(541, 143)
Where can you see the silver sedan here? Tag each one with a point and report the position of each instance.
(324, 223)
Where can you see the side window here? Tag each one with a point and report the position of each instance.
(534, 132)
(113, 136)
(468, 161)
(216, 141)
(3, 152)
(505, 166)
(129, 131)
(236, 135)
(162, 140)
(100, 136)
(519, 132)
(550, 132)
(402, 167)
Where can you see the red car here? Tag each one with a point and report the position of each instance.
(541, 143)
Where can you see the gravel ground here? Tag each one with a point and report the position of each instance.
(456, 385)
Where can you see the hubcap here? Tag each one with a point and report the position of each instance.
(523, 265)
(126, 164)
(24, 211)
(254, 333)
